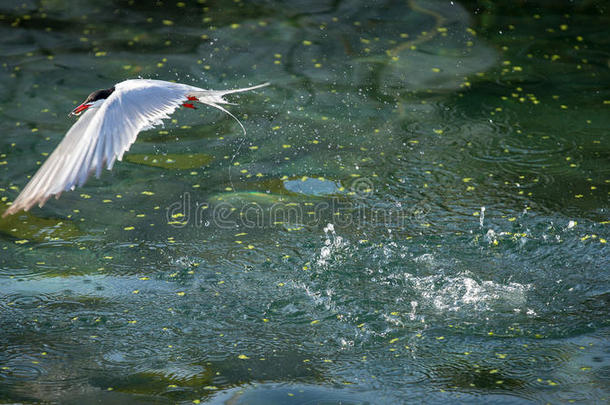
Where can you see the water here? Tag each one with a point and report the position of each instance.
(419, 211)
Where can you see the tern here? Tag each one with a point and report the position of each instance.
(109, 123)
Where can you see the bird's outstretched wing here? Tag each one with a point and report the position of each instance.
(102, 135)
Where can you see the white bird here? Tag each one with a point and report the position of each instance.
(110, 122)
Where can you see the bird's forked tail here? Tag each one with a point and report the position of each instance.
(214, 98)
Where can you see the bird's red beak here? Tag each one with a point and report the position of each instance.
(80, 108)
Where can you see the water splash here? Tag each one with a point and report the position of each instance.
(465, 293)
(332, 243)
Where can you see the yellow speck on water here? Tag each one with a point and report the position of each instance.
(306, 42)
(129, 228)
(100, 53)
(243, 357)
(436, 70)
(438, 131)
(394, 340)
(168, 22)
(286, 146)
(314, 322)
(467, 179)
(234, 26)
(181, 293)
(147, 193)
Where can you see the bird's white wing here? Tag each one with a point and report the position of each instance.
(104, 134)
(134, 106)
(44, 184)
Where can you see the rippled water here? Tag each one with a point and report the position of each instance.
(419, 211)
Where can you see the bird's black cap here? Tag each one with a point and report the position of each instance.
(99, 95)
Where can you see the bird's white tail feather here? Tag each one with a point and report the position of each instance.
(214, 98)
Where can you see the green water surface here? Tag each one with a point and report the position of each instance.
(418, 212)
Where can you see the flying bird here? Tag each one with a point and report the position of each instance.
(109, 123)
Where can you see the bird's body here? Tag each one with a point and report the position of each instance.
(109, 124)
